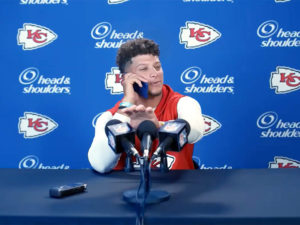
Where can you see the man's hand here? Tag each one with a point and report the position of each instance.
(138, 114)
(128, 80)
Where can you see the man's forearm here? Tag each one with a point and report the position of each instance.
(189, 109)
(100, 155)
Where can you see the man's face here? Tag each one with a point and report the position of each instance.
(149, 67)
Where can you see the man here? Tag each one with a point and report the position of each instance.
(138, 61)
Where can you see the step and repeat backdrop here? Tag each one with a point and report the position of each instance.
(239, 59)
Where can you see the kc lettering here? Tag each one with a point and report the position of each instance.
(290, 79)
(38, 124)
(200, 34)
(37, 36)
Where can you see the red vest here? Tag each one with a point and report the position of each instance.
(166, 110)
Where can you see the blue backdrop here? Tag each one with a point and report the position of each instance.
(238, 58)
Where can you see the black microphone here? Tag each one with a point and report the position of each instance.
(146, 132)
(121, 137)
(173, 135)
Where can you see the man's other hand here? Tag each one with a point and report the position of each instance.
(138, 113)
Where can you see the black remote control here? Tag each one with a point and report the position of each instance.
(66, 190)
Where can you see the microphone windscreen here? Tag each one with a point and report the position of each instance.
(188, 127)
(111, 122)
(147, 126)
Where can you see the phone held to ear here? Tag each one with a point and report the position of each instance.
(142, 91)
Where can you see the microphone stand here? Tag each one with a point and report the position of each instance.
(144, 195)
(164, 162)
(128, 163)
(148, 196)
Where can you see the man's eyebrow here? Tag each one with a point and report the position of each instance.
(142, 64)
(145, 64)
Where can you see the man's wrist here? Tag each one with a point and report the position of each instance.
(125, 105)
(129, 98)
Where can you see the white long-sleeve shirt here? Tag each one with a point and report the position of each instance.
(103, 159)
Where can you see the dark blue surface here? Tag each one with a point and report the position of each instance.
(261, 196)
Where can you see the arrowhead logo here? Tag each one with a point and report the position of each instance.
(285, 80)
(284, 162)
(34, 125)
(196, 35)
(211, 125)
(113, 81)
(33, 36)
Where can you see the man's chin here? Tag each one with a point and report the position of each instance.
(154, 94)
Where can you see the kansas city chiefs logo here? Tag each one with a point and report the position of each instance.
(211, 125)
(285, 80)
(33, 125)
(196, 35)
(33, 36)
(283, 162)
(113, 81)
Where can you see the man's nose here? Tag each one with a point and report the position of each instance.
(154, 72)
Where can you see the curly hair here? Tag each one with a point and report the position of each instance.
(133, 48)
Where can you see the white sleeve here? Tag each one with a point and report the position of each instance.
(189, 109)
(100, 155)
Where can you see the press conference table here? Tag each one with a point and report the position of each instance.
(260, 196)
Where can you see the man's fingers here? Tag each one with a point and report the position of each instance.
(134, 78)
(149, 110)
(140, 108)
(129, 110)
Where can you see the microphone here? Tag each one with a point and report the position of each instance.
(146, 132)
(121, 137)
(173, 136)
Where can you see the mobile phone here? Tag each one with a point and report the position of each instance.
(142, 91)
(66, 190)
